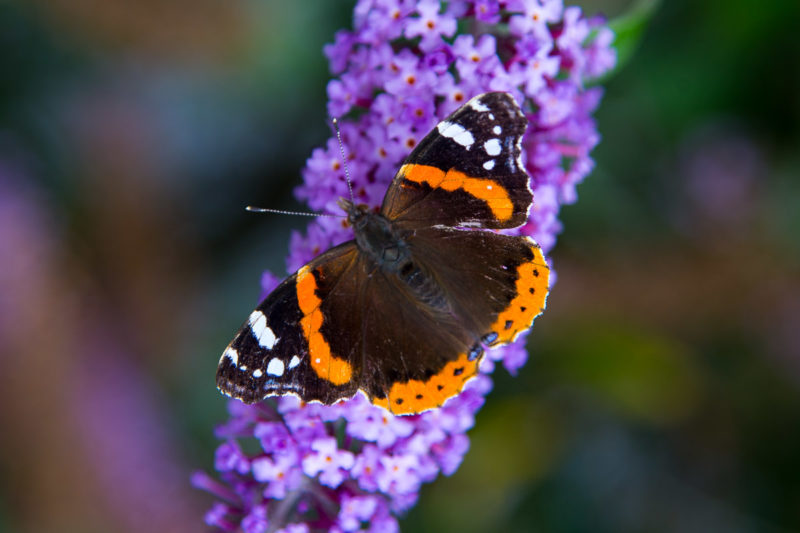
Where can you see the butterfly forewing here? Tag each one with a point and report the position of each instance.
(466, 171)
(270, 355)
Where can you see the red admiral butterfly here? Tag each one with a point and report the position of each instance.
(403, 312)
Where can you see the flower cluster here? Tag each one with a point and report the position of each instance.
(333, 468)
(353, 466)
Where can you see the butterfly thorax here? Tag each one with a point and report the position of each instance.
(377, 239)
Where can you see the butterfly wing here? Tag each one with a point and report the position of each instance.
(283, 349)
(418, 355)
(467, 171)
(498, 286)
(430, 346)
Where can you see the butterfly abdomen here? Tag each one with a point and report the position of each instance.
(424, 287)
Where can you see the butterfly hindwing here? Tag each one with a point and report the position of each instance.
(486, 298)
(498, 285)
(426, 347)
(466, 171)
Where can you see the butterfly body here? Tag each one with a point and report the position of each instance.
(404, 311)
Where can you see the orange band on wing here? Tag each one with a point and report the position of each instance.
(532, 286)
(415, 396)
(325, 364)
(491, 192)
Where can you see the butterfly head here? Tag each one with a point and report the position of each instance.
(357, 214)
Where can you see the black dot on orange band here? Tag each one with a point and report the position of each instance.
(535, 273)
(531, 290)
(419, 396)
(398, 401)
(458, 371)
(509, 323)
(522, 308)
(439, 387)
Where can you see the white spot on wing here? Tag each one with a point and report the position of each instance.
(492, 146)
(464, 138)
(489, 165)
(478, 106)
(497, 130)
(231, 354)
(294, 362)
(257, 373)
(448, 129)
(265, 336)
(456, 132)
(275, 367)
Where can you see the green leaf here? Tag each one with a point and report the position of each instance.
(629, 29)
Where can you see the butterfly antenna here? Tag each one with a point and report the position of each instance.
(281, 212)
(308, 214)
(344, 160)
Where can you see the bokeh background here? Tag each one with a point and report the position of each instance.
(663, 388)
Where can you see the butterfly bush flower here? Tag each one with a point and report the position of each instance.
(353, 466)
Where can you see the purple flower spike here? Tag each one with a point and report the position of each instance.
(353, 466)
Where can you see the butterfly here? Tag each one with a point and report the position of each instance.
(404, 311)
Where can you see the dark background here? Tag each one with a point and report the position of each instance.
(662, 388)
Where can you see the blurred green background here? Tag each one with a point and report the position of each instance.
(662, 388)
